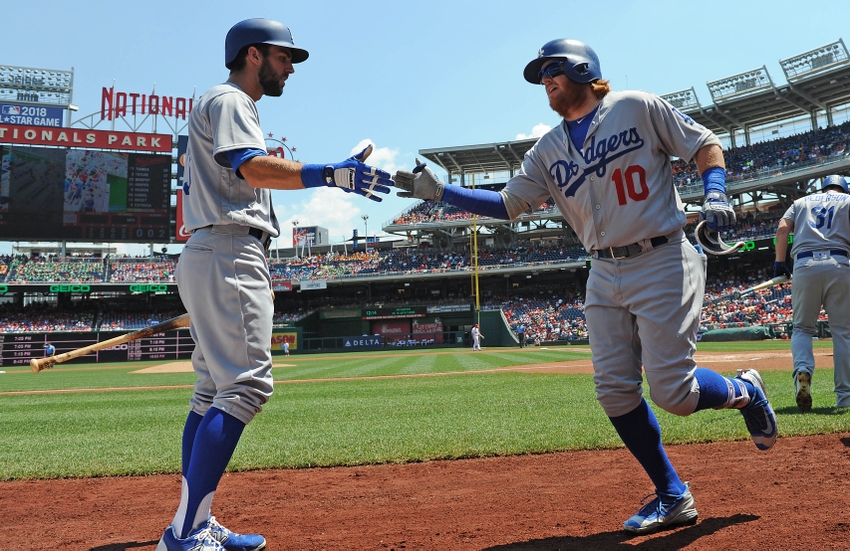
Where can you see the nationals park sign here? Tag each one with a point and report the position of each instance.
(78, 137)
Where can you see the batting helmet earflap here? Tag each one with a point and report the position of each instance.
(582, 63)
(834, 181)
(260, 31)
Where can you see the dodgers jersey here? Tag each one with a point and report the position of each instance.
(618, 189)
(821, 222)
(224, 119)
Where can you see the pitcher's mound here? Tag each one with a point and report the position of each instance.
(181, 367)
(172, 367)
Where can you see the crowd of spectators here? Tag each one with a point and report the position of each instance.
(774, 156)
(143, 271)
(42, 318)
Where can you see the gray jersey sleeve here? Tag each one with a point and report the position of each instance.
(235, 124)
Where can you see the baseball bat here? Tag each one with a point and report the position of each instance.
(763, 285)
(40, 364)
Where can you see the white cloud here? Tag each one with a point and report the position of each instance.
(381, 157)
(326, 207)
(536, 132)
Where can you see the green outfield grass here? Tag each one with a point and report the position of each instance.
(132, 430)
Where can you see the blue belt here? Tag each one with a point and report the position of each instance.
(834, 252)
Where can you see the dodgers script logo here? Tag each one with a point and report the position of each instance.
(597, 155)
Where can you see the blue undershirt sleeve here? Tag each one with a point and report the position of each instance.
(477, 201)
(239, 156)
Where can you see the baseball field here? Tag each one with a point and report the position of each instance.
(418, 449)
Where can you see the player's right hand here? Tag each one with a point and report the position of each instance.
(422, 183)
(717, 211)
(353, 176)
(780, 269)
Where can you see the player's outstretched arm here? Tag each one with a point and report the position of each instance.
(422, 183)
(351, 175)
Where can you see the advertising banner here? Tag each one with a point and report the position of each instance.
(31, 115)
(361, 343)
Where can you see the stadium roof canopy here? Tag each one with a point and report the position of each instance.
(817, 82)
(494, 157)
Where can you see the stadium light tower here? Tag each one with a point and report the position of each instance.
(295, 236)
(365, 218)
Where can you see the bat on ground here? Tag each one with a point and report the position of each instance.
(763, 285)
(40, 364)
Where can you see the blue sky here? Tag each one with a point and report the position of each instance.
(404, 75)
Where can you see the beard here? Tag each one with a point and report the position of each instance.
(269, 80)
(572, 95)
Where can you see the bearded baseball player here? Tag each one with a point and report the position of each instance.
(821, 226)
(607, 167)
(223, 277)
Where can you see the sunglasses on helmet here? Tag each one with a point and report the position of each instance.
(552, 70)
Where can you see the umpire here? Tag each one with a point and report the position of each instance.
(821, 226)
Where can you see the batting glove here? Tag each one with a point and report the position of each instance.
(780, 269)
(419, 184)
(717, 211)
(351, 175)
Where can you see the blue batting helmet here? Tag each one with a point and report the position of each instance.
(582, 64)
(260, 31)
(834, 181)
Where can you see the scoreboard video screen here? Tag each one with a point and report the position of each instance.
(63, 194)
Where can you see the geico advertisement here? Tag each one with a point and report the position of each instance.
(278, 338)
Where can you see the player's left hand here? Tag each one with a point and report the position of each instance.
(353, 176)
(781, 269)
(717, 211)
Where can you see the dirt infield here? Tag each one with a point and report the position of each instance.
(795, 496)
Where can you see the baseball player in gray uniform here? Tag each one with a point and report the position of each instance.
(821, 226)
(223, 275)
(608, 169)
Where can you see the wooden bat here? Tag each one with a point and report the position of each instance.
(763, 285)
(40, 364)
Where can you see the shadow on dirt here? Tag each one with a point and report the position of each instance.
(678, 539)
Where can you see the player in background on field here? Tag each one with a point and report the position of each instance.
(49, 350)
(476, 337)
(607, 166)
(821, 226)
(223, 276)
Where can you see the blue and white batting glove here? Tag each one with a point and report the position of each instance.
(351, 175)
(717, 211)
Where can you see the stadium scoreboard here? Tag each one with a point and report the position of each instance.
(68, 194)
(19, 348)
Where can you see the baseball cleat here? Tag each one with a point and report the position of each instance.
(199, 540)
(657, 515)
(231, 541)
(761, 422)
(803, 390)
